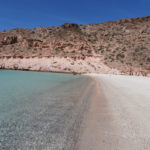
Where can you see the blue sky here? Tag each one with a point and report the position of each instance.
(35, 13)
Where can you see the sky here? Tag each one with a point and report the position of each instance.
(44, 13)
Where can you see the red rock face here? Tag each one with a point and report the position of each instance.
(123, 44)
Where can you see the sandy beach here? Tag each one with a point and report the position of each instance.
(118, 115)
(75, 75)
(66, 112)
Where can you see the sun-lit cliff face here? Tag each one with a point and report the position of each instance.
(123, 45)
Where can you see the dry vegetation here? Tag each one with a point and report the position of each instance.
(124, 44)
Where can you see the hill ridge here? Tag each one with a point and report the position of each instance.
(123, 44)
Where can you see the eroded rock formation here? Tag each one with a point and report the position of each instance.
(123, 45)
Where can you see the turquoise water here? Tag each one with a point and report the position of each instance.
(20, 87)
(37, 109)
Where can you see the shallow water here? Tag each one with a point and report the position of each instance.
(39, 110)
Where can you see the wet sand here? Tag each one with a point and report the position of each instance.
(118, 116)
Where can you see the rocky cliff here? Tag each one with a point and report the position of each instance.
(122, 45)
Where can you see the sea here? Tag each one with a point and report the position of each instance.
(40, 111)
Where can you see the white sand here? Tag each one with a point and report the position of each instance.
(119, 114)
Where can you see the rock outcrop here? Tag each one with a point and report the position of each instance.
(123, 45)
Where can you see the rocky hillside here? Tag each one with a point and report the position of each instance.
(123, 44)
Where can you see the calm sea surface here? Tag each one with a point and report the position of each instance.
(39, 110)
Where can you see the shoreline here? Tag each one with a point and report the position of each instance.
(43, 71)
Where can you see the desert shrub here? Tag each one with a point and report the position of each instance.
(32, 32)
(40, 35)
(137, 49)
(102, 51)
(130, 64)
(124, 49)
(58, 49)
(148, 59)
(89, 51)
(120, 56)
